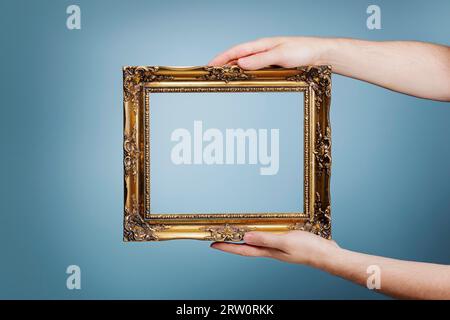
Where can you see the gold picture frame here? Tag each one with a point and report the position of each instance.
(140, 81)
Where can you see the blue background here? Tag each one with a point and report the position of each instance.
(61, 133)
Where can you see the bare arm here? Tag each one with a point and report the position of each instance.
(401, 279)
(415, 68)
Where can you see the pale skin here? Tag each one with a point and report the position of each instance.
(414, 68)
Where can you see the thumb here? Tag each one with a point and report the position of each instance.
(260, 60)
(264, 239)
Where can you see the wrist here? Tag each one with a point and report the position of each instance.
(327, 255)
(329, 51)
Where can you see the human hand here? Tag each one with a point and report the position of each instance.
(402, 279)
(295, 247)
(281, 51)
(385, 63)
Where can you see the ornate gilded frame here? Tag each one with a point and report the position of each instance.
(140, 81)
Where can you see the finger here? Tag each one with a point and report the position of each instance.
(242, 249)
(232, 63)
(265, 239)
(261, 60)
(243, 50)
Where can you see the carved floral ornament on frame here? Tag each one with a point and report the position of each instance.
(314, 82)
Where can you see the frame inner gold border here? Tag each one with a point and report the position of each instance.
(204, 88)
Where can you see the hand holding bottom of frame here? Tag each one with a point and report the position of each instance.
(299, 247)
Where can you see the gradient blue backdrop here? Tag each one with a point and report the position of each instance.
(61, 133)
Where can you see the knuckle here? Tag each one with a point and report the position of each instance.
(284, 243)
(264, 241)
(266, 254)
(245, 252)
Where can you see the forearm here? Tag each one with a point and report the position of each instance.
(401, 279)
(415, 68)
